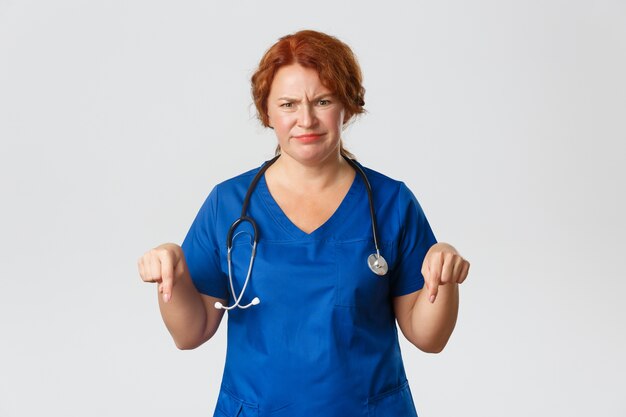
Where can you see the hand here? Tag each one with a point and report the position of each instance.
(163, 264)
(443, 265)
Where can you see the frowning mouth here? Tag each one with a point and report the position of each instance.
(309, 137)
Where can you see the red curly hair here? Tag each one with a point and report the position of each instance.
(333, 60)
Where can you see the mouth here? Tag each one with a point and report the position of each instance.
(308, 137)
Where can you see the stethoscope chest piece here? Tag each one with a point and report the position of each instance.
(377, 264)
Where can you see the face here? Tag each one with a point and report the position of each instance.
(307, 118)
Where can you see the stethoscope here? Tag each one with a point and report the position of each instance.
(375, 261)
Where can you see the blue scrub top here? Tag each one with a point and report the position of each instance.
(323, 341)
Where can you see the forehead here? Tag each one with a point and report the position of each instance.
(295, 79)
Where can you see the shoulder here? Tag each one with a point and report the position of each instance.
(228, 192)
(235, 186)
(393, 198)
(385, 185)
(242, 179)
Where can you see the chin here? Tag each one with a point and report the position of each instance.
(311, 153)
(309, 158)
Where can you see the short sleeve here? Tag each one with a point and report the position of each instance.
(202, 251)
(416, 237)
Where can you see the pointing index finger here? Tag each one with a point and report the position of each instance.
(167, 274)
(434, 267)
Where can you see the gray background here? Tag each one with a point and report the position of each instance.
(507, 120)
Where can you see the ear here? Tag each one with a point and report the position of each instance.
(346, 117)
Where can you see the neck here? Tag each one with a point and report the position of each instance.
(314, 177)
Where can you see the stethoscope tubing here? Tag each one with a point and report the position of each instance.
(376, 262)
(370, 198)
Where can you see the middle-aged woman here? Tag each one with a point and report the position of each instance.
(312, 325)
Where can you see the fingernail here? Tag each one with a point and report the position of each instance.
(166, 297)
(432, 299)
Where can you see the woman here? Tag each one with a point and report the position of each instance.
(313, 332)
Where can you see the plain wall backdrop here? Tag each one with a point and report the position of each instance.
(506, 119)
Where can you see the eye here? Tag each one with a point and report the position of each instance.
(323, 102)
(287, 105)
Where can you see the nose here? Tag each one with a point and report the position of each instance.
(306, 116)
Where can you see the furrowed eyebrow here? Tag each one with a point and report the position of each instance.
(316, 98)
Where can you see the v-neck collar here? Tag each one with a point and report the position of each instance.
(322, 232)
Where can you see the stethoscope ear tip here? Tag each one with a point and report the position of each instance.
(255, 301)
(219, 305)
